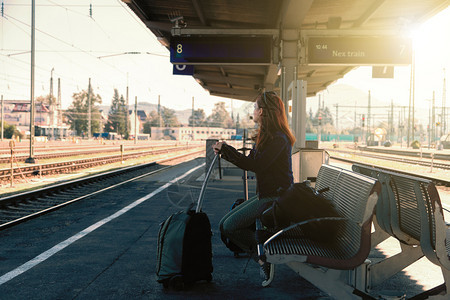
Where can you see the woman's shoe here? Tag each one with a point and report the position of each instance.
(267, 273)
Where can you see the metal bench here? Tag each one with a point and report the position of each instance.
(412, 214)
(332, 266)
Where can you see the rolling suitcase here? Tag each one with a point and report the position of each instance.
(184, 253)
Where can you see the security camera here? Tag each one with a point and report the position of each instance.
(175, 19)
(178, 20)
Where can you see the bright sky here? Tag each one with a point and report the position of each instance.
(78, 47)
(431, 42)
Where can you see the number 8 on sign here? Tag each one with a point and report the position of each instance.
(179, 48)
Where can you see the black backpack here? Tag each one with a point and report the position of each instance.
(299, 203)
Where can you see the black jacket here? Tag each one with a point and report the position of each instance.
(272, 164)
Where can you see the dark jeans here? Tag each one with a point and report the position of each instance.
(235, 225)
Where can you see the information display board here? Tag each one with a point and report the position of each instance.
(359, 50)
(220, 50)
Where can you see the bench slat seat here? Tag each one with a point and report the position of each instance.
(355, 197)
(293, 245)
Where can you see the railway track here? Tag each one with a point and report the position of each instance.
(57, 151)
(437, 181)
(425, 161)
(22, 207)
(19, 208)
(89, 162)
(411, 153)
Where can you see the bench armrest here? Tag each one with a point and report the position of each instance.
(299, 224)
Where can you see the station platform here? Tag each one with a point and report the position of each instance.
(104, 247)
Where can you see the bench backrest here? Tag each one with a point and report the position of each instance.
(415, 207)
(384, 212)
(326, 178)
(415, 210)
(355, 197)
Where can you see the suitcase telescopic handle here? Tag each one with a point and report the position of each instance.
(205, 182)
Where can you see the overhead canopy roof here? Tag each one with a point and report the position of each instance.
(329, 17)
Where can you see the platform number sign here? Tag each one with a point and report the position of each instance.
(385, 51)
(179, 48)
(221, 50)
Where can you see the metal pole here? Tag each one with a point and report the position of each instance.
(31, 159)
(192, 135)
(413, 96)
(337, 122)
(400, 127)
(50, 104)
(433, 118)
(11, 146)
(391, 123)
(2, 118)
(135, 120)
(369, 118)
(159, 111)
(127, 134)
(89, 109)
(244, 141)
(59, 112)
(444, 114)
(354, 117)
(410, 100)
(429, 125)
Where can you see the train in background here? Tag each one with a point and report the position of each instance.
(191, 133)
(106, 136)
(52, 132)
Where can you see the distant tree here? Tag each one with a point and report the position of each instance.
(309, 123)
(147, 127)
(77, 113)
(220, 116)
(154, 119)
(10, 131)
(46, 100)
(117, 115)
(166, 119)
(246, 121)
(198, 118)
(322, 120)
(325, 115)
(169, 118)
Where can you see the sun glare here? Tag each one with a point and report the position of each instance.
(432, 39)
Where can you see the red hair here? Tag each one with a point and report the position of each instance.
(273, 119)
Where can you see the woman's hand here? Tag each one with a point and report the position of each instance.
(217, 147)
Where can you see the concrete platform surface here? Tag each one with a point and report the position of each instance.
(104, 247)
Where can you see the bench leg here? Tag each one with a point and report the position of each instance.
(379, 235)
(380, 271)
(333, 282)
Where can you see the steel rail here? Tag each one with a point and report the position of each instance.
(68, 166)
(436, 181)
(413, 153)
(422, 162)
(70, 151)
